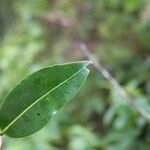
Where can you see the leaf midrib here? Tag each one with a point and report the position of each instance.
(21, 114)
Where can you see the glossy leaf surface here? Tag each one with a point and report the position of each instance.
(31, 104)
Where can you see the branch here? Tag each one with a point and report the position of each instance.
(66, 23)
(0, 142)
(113, 81)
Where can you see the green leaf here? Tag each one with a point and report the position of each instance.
(37, 98)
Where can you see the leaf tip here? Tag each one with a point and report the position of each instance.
(87, 62)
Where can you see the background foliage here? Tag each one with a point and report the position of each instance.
(36, 33)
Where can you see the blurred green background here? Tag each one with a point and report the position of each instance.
(38, 33)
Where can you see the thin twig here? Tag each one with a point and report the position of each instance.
(102, 70)
(113, 81)
(1, 142)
